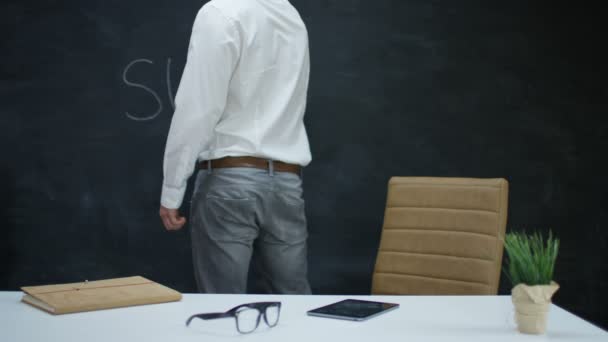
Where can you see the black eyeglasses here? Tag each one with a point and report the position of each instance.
(247, 316)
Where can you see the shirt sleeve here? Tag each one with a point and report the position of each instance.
(201, 99)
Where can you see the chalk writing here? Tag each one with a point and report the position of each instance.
(142, 117)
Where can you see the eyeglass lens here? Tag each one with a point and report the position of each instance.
(271, 315)
(248, 319)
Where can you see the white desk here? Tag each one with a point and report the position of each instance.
(470, 318)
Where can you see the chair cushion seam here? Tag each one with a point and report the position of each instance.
(442, 208)
(491, 261)
(429, 277)
(437, 255)
(431, 230)
(444, 185)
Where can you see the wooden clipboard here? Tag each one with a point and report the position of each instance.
(97, 295)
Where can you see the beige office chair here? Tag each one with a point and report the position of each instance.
(442, 236)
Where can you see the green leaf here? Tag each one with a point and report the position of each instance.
(529, 259)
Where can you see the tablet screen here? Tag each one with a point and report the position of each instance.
(353, 309)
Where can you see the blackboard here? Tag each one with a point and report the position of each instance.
(409, 88)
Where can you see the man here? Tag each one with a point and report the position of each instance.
(239, 121)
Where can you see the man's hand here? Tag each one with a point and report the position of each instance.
(171, 219)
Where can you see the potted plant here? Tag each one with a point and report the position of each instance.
(529, 266)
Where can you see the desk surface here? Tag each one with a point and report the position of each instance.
(420, 318)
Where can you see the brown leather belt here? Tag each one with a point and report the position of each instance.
(253, 162)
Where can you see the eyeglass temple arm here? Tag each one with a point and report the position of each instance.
(207, 316)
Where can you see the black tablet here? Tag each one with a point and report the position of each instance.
(353, 309)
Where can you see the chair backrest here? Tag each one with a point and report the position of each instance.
(442, 236)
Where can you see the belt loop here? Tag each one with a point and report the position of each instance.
(302, 173)
(271, 167)
(209, 169)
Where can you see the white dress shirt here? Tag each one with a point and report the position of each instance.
(243, 90)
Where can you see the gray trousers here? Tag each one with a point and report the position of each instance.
(236, 211)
